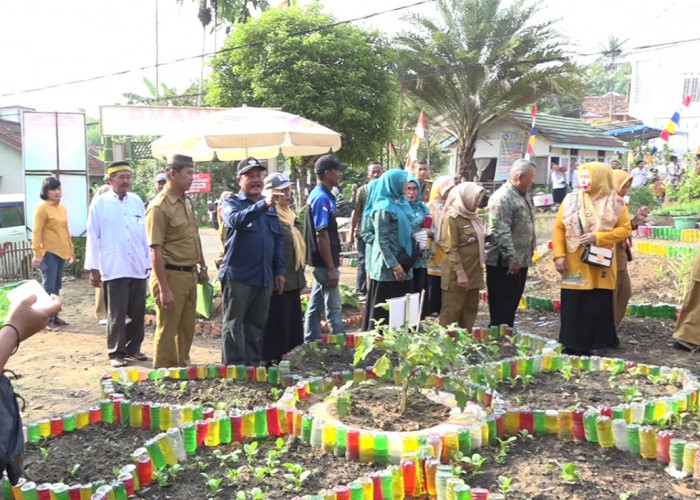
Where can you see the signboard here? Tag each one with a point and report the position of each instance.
(511, 149)
(55, 144)
(148, 120)
(201, 183)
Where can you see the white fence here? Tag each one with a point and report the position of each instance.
(16, 261)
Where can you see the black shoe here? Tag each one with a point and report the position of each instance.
(681, 347)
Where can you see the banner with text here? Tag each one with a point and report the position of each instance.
(512, 146)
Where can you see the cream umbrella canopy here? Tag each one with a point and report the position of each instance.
(237, 133)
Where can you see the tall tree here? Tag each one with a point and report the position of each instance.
(477, 60)
(297, 59)
(232, 11)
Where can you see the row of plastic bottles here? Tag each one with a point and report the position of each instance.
(665, 250)
(660, 310)
(668, 233)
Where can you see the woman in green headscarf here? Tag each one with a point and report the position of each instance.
(387, 228)
(420, 212)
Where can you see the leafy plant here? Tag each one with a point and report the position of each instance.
(226, 459)
(569, 473)
(297, 475)
(251, 449)
(413, 359)
(213, 483)
(630, 394)
(525, 435)
(504, 483)
(342, 398)
(475, 462)
(77, 268)
(44, 453)
(504, 447)
(349, 296)
(74, 470)
(276, 392)
(566, 371)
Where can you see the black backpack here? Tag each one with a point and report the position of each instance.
(11, 435)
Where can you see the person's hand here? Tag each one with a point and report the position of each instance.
(71, 259)
(587, 238)
(36, 262)
(273, 200)
(95, 278)
(280, 281)
(166, 300)
(560, 265)
(463, 280)
(641, 214)
(351, 242)
(332, 277)
(29, 320)
(513, 268)
(399, 273)
(203, 274)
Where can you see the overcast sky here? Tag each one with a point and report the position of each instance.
(46, 42)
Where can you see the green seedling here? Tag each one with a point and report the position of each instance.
(276, 392)
(475, 462)
(183, 386)
(505, 446)
(233, 474)
(251, 449)
(525, 435)
(226, 459)
(202, 465)
(569, 473)
(213, 483)
(566, 371)
(44, 454)
(504, 483)
(657, 379)
(630, 394)
(297, 475)
(74, 470)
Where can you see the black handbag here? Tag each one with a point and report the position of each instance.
(11, 435)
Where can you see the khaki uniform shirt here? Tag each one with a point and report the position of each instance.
(171, 224)
(461, 252)
(425, 189)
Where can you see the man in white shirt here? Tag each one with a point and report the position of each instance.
(673, 170)
(117, 255)
(639, 175)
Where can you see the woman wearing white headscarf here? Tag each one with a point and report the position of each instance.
(463, 267)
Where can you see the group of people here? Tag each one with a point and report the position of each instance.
(439, 248)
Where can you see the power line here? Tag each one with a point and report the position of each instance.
(209, 54)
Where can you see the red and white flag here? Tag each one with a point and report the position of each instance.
(417, 136)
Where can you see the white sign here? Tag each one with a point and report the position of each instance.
(148, 120)
(399, 317)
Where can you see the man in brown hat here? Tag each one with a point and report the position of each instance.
(178, 265)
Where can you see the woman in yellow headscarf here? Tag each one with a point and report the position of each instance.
(623, 289)
(436, 205)
(592, 215)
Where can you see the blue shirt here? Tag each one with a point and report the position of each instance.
(254, 249)
(322, 205)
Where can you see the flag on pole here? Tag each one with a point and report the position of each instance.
(671, 126)
(533, 136)
(415, 143)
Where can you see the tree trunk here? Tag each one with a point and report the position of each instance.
(467, 167)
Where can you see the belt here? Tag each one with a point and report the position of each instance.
(184, 269)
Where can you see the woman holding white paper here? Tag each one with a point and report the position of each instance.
(465, 256)
(593, 215)
(420, 212)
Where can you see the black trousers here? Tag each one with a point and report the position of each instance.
(125, 297)
(361, 280)
(504, 291)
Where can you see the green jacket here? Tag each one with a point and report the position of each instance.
(295, 279)
(382, 253)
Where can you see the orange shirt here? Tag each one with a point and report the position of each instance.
(50, 232)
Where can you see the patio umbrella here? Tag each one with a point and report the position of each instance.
(237, 133)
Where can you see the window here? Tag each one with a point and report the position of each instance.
(11, 214)
(691, 87)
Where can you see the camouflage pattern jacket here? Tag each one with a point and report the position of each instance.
(512, 223)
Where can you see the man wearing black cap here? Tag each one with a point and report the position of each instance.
(178, 265)
(252, 265)
(323, 250)
(117, 256)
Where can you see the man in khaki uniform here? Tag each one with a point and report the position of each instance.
(176, 253)
(421, 171)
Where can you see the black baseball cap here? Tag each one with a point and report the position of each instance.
(329, 162)
(247, 165)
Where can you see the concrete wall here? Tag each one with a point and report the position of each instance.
(11, 176)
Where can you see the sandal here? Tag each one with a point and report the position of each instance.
(59, 322)
(118, 362)
(52, 327)
(138, 356)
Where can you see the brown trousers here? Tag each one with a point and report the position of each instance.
(459, 307)
(175, 327)
(621, 295)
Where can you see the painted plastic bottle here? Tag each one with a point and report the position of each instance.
(135, 417)
(603, 426)
(353, 444)
(167, 449)
(366, 447)
(213, 432)
(619, 428)
(381, 448)
(340, 447)
(551, 418)
(408, 468)
(166, 421)
(633, 440)
(224, 429)
(155, 416)
(663, 443)
(589, 425)
(177, 443)
(647, 442)
(190, 438)
(689, 453)
(676, 449)
(144, 468)
(564, 424)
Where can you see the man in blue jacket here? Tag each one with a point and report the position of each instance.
(252, 265)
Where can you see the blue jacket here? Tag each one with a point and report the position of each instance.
(254, 246)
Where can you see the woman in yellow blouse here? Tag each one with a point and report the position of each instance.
(595, 215)
(51, 242)
(465, 256)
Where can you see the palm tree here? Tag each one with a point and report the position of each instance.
(612, 51)
(477, 61)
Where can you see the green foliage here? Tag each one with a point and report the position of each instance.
(680, 270)
(413, 358)
(349, 296)
(77, 268)
(687, 195)
(150, 303)
(340, 77)
(342, 398)
(569, 473)
(630, 394)
(475, 61)
(641, 196)
(599, 77)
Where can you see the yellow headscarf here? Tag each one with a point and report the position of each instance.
(596, 210)
(464, 200)
(436, 202)
(288, 217)
(620, 178)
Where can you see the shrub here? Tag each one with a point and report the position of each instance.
(639, 197)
